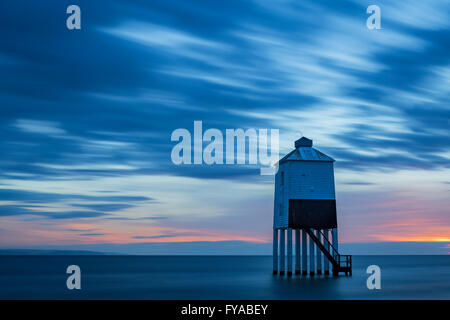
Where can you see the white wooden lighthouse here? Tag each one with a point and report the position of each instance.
(305, 203)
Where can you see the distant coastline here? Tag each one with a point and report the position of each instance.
(26, 252)
(222, 248)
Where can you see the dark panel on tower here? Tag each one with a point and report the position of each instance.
(312, 213)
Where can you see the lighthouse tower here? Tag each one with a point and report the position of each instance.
(305, 204)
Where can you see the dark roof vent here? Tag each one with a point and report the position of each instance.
(303, 142)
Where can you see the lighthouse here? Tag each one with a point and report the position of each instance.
(305, 212)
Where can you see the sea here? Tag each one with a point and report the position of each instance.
(216, 277)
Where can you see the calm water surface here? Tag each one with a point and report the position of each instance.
(216, 277)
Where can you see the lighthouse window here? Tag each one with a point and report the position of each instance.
(282, 178)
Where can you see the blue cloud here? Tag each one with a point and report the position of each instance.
(105, 207)
(39, 197)
(14, 210)
(145, 70)
(26, 201)
(102, 102)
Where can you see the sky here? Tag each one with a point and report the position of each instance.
(87, 116)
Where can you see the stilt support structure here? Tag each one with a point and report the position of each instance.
(340, 263)
(282, 252)
(289, 252)
(304, 254)
(275, 251)
(326, 262)
(334, 243)
(297, 251)
(312, 267)
(319, 253)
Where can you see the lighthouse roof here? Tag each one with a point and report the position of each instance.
(305, 152)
